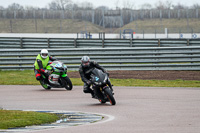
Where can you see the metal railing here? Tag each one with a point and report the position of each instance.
(39, 43)
(132, 58)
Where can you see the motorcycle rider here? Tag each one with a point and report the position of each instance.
(41, 62)
(87, 64)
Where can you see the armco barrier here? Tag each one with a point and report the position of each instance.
(39, 43)
(132, 58)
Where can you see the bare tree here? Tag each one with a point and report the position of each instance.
(86, 6)
(160, 5)
(102, 8)
(195, 6)
(1, 8)
(163, 5)
(31, 8)
(15, 6)
(116, 4)
(60, 4)
(146, 6)
(53, 5)
(75, 7)
(168, 4)
(179, 6)
(128, 5)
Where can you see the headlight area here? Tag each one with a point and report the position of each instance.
(97, 83)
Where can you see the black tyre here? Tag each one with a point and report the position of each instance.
(68, 84)
(110, 96)
(102, 101)
(45, 86)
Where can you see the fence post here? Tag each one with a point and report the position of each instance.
(75, 43)
(188, 42)
(143, 34)
(103, 18)
(160, 15)
(158, 42)
(93, 14)
(48, 42)
(131, 42)
(169, 14)
(197, 13)
(102, 42)
(21, 43)
(11, 26)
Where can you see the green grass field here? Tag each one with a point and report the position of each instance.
(27, 77)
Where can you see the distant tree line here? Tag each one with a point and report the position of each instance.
(127, 4)
(102, 15)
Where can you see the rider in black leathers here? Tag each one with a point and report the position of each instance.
(86, 65)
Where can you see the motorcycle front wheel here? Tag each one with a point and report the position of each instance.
(45, 86)
(110, 96)
(68, 83)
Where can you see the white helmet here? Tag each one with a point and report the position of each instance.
(44, 53)
(85, 61)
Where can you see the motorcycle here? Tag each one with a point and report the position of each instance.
(57, 78)
(100, 86)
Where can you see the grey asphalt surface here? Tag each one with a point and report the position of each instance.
(138, 109)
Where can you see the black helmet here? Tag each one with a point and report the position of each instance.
(85, 61)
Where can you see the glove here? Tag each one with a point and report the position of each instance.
(89, 82)
(47, 71)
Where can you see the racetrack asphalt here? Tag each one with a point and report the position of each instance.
(138, 109)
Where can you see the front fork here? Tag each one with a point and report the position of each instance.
(103, 92)
(62, 81)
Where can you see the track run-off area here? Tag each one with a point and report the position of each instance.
(137, 109)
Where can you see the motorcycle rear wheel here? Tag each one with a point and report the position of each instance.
(110, 96)
(68, 85)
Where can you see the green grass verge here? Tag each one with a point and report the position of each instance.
(27, 77)
(14, 118)
(156, 83)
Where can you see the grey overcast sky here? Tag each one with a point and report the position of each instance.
(96, 3)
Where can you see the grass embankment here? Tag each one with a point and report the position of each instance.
(47, 26)
(14, 118)
(27, 77)
(191, 25)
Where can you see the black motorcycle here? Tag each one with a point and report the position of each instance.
(100, 86)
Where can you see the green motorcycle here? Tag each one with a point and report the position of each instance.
(57, 78)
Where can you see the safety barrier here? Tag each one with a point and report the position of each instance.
(132, 58)
(39, 43)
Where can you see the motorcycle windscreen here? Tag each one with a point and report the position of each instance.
(99, 75)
